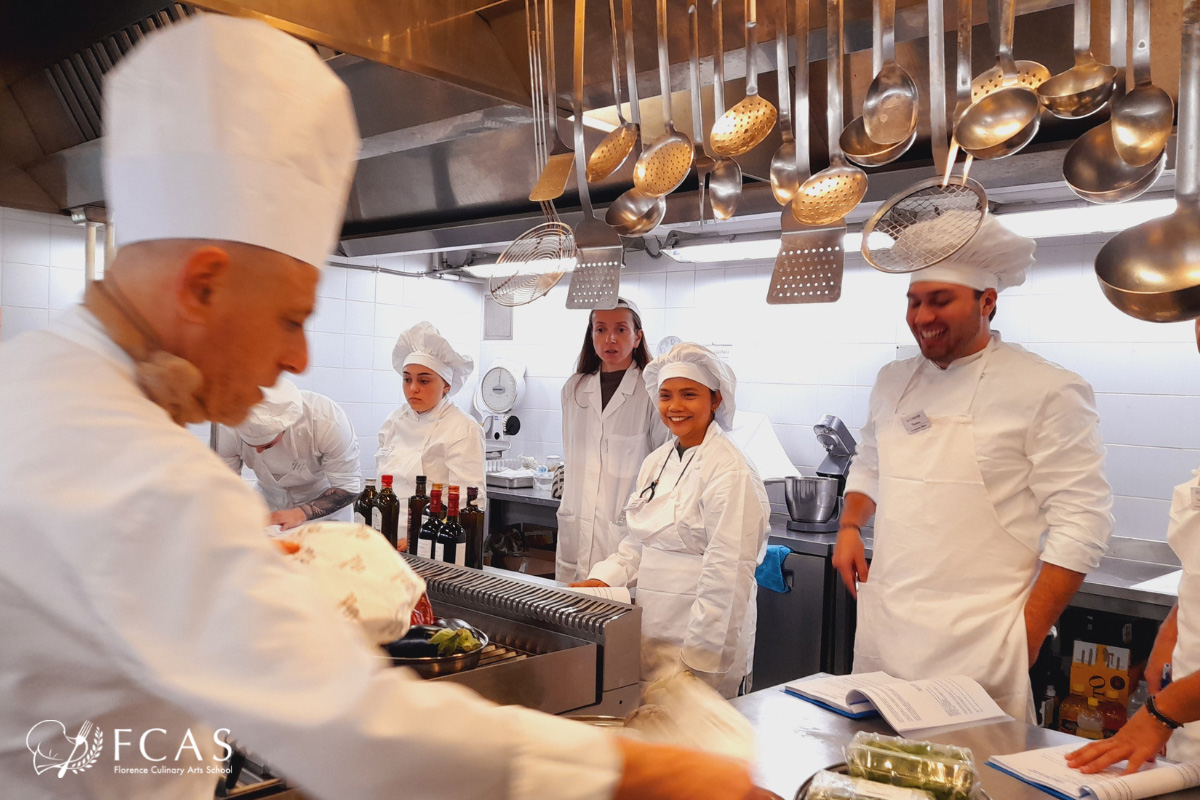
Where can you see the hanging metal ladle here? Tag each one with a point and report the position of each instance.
(616, 146)
(1141, 120)
(743, 127)
(890, 105)
(1086, 87)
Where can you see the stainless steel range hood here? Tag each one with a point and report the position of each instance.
(441, 91)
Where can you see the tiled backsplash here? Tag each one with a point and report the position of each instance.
(794, 363)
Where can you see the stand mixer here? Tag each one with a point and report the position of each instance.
(815, 504)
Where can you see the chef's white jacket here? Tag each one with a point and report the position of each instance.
(137, 591)
(1037, 439)
(443, 444)
(317, 453)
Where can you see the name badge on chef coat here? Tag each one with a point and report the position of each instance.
(1196, 498)
(915, 423)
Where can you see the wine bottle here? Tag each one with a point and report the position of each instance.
(471, 518)
(433, 521)
(416, 510)
(363, 504)
(387, 509)
(451, 544)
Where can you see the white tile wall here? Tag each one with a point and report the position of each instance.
(351, 333)
(795, 363)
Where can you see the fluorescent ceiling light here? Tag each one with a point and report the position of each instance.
(1079, 220)
(743, 247)
(520, 267)
(595, 123)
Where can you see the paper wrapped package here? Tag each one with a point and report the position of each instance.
(361, 574)
(685, 711)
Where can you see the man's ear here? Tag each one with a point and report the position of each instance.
(205, 272)
(989, 301)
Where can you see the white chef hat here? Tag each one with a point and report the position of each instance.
(994, 258)
(226, 128)
(422, 344)
(279, 410)
(632, 306)
(697, 363)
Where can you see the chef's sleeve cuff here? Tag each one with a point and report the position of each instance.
(610, 573)
(1076, 554)
(864, 483)
(579, 761)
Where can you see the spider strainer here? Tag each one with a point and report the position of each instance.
(923, 225)
(541, 256)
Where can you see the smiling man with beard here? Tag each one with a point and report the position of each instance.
(983, 465)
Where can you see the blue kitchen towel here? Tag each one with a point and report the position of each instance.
(770, 572)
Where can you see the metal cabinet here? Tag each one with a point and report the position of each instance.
(792, 626)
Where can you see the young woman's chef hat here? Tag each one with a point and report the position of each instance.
(994, 258)
(422, 344)
(279, 410)
(228, 129)
(699, 364)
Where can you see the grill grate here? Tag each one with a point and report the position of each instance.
(516, 599)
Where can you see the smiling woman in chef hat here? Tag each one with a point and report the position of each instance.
(429, 435)
(697, 529)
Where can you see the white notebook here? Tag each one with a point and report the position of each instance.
(906, 705)
(1047, 769)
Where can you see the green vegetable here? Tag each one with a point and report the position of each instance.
(450, 642)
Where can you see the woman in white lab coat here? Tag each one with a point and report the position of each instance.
(1172, 713)
(697, 525)
(610, 425)
(429, 435)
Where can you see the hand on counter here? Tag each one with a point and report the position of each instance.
(850, 558)
(590, 582)
(288, 518)
(1141, 740)
(663, 772)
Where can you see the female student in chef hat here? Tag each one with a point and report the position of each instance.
(697, 529)
(429, 435)
(609, 425)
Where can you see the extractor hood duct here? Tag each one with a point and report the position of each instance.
(441, 92)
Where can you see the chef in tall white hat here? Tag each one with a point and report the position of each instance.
(147, 606)
(983, 466)
(697, 529)
(303, 451)
(429, 435)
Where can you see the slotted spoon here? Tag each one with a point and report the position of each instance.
(664, 165)
(616, 146)
(743, 127)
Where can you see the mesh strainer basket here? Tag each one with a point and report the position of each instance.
(540, 257)
(923, 225)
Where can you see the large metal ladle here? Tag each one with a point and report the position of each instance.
(855, 142)
(1003, 121)
(785, 180)
(1152, 271)
(1086, 87)
(725, 181)
(1141, 120)
(890, 105)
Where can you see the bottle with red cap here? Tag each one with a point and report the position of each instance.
(386, 516)
(471, 519)
(451, 544)
(432, 524)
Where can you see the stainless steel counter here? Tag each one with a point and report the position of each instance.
(796, 738)
(531, 497)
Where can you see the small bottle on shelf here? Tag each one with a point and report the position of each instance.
(1068, 710)
(451, 538)
(1113, 713)
(416, 510)
(433, 521)
(387, 510)
(471, 518)
(1090, 721)
(363, 505)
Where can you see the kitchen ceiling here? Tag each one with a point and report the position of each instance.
(441, 91)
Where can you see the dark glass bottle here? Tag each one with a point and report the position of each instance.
(363, 505)
(471, 518)
(416, 510)
(451, 544)
(433, 521)
(387, 509)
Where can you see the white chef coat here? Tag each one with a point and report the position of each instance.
(602, 451)
(317, 453)
(1037, 445)
(443, 444)
(137, 591)
(692, 551)
(1183, 534)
